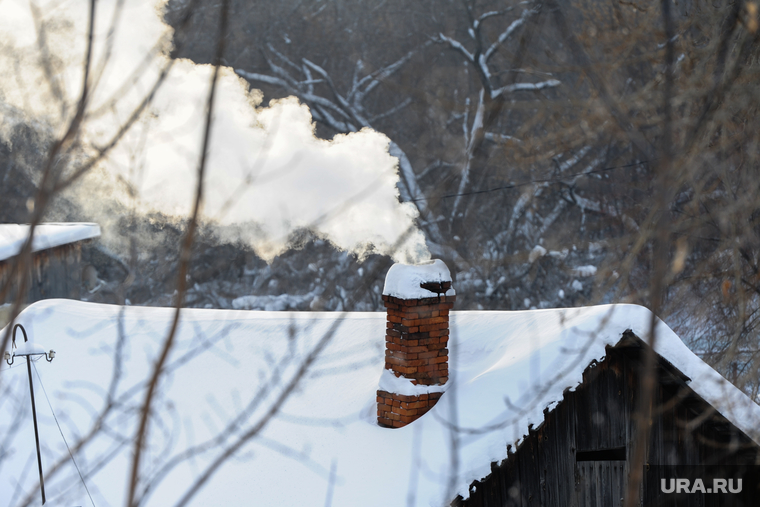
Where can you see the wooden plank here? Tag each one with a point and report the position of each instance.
(630, 393)
(618, 483)
(510, 482)
(4, 279)
(557, 444)
(37, 277)
(587, 484)
(527, 462)
(601, 406)
(74, 269)
(476, 495)
(56, 287)
(491, 484)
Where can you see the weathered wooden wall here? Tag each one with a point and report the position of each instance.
(578, 456)
(55, 273)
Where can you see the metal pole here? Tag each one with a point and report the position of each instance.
(36, 433)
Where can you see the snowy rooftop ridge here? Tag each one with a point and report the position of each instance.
(403, 280)
(46, 235)
(526, 357)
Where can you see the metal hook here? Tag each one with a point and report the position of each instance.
(15, 328)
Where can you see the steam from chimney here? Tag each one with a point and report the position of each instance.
(267, 175)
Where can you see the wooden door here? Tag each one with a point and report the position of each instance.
(601, 483)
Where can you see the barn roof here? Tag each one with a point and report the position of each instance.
(47, 235)
(506, 368)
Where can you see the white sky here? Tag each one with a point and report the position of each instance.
(265, 164)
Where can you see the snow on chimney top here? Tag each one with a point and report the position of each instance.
(418, 281)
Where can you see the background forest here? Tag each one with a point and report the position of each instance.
(558, 155)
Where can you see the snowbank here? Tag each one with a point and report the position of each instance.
(233, 365)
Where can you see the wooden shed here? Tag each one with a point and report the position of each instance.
(56, 270)
(581, 454)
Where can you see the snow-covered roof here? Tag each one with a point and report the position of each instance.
(48, 235)
(324, 441)
(403, 280)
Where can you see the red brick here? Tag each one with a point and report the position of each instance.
(440, 359)
(428, 355)
(396, 361)
(406, 412)
(401, 355)
(398, 424)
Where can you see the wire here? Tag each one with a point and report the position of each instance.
(62, 435)
(531, 182)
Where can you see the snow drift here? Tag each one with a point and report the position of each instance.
(229, 367)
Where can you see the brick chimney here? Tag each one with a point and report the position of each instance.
(418, 299)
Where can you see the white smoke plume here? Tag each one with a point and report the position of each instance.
(267, 173)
